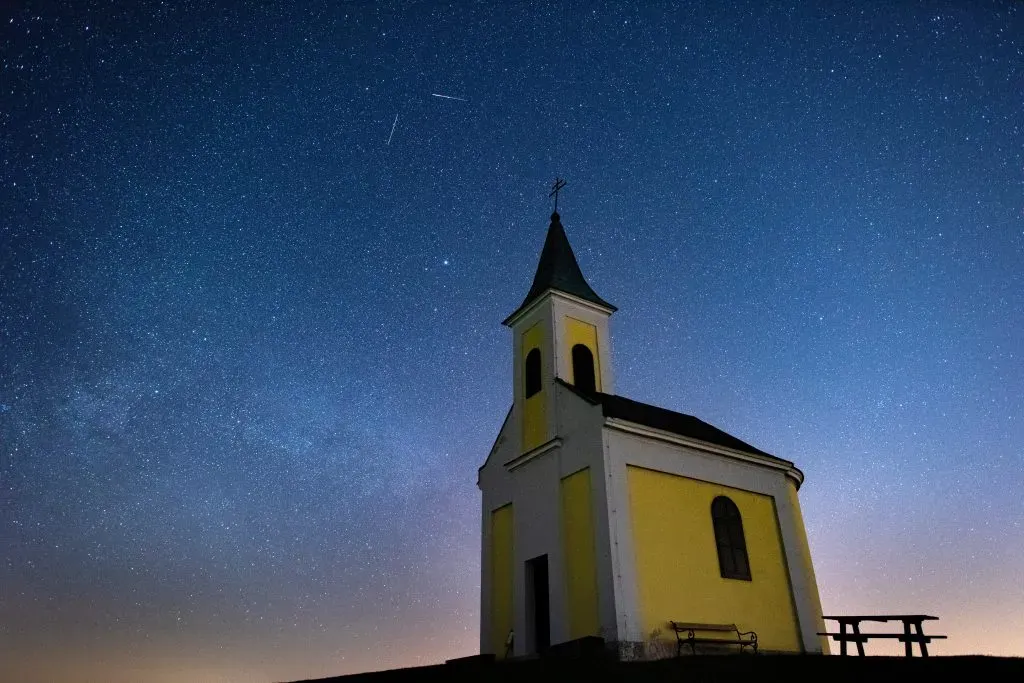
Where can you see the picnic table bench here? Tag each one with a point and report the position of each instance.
(849, 631)
(712, 633)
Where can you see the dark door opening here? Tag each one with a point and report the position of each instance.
(538, 605)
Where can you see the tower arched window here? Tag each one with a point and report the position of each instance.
(583, 368)
(531, 376)
(732, 547)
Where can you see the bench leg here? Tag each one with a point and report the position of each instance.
(907, 639)
(923, 641)
(842, 639)
(860, 641)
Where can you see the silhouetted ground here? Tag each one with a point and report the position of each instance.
(712, 669)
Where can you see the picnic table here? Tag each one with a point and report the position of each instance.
(849, 631)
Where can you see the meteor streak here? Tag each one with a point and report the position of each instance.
(393, 130)
(449, 97)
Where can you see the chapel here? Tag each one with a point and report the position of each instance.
(604, 516)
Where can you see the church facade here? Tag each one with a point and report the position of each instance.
(604, 516)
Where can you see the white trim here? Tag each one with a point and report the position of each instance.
(550, 291)
(495, 445)
(526, 457)
(660, 435)
(485, 578)
(623, 554)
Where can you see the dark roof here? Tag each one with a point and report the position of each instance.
(559, 270)
(665, 420)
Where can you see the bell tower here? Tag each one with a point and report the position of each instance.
(559, 331)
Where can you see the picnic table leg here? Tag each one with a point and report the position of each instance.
(860, 641)
(923, 642)
(842, 638)
(907, 642)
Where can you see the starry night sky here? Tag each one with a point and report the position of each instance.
(250, 343)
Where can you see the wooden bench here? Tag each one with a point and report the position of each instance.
(728, 634)
(849, 632)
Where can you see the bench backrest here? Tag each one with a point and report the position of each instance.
(680, 626)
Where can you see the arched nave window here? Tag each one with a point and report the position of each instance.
(732, 547)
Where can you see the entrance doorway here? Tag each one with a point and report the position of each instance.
(538, 609)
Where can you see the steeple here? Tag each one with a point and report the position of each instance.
(560, 331)
(559, 270)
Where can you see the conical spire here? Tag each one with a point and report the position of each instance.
(559, 270)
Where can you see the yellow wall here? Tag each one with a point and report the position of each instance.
(580, 565)
(534, 418)
(502, 567)
(677, 560)
(579, 332)
(807, 565)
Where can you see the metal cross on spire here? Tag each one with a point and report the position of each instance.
(555, 188)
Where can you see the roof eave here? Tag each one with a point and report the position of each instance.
(770, 461)
(528, 306)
